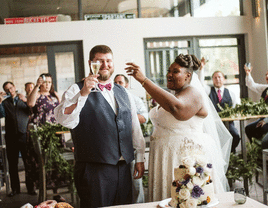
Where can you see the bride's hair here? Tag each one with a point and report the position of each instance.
(190, 62)
(196, 62)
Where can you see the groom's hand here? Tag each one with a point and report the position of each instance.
(139, 170)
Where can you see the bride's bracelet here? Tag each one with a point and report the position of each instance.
(142, 84)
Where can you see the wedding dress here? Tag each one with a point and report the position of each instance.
(169, 140)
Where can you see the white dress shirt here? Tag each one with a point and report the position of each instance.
(201, 77)
(256, 87)
(140, 107)
(72, 96)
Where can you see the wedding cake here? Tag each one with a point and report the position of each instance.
(193, 184)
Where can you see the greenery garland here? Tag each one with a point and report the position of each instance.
(247, 107)
(53, 148)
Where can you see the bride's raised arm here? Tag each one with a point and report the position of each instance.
(187, 102)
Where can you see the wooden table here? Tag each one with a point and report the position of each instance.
(226, 200)
(242, 120)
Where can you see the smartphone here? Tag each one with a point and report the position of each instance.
(44, 77)
(7, 95)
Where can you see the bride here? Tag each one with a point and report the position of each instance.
(183, 117)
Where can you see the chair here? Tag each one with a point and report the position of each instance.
(4, 173)
(43, 195)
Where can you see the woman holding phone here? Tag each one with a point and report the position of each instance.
(43, 100)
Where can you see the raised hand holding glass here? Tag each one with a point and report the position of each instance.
(95, 67)
(129, 61)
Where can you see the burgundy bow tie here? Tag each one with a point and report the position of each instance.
(107, 86)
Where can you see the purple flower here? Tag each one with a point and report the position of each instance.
(197, 192)
(178, 189)
(199, 169)
(209, 165)
(186, 181)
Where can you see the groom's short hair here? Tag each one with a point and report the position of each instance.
(218, 72)
(99, 49)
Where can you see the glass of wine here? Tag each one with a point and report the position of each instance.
(207, 58)
(248, 65)
(129, 61)
(95, 67)
(240, 196)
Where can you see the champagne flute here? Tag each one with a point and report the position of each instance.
(129, 61)
(207, 58)
(95, 67)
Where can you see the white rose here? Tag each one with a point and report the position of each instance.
(184, 194)
(197, 181)
(188, 161)
(191, 170)
(207, 170)
(191, 203)
(190, 185)
(202, 161)
(183, 205)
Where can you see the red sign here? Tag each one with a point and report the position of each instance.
(22, 20)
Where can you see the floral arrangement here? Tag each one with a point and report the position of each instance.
(189, 189)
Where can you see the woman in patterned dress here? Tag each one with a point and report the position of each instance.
(43, 99)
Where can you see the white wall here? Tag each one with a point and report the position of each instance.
(125, 37)
(258, 49)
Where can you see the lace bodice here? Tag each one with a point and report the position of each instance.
(163, 120)
(170, 142)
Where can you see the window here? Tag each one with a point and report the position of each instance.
(216, 8)
(160, 54)
(224, 54)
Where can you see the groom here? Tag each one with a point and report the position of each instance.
(105, 131)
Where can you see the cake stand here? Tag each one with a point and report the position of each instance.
(165, 203)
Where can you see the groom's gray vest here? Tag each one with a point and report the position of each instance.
(102, 136)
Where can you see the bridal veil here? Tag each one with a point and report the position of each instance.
(214, 126)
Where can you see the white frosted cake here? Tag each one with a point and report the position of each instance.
(193, 185)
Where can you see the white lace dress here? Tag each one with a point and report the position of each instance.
(168, 142)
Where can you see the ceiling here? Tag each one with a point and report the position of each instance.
(26, 8)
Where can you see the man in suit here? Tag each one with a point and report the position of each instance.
(16, 113)
(105, 131)
(220, 95)
(142, 113)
